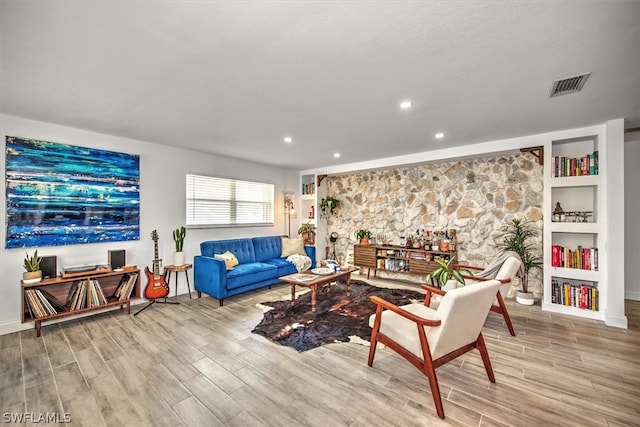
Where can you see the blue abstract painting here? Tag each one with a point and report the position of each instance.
(60, 194)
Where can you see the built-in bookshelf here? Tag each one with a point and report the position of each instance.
(308, 200)
(573, 226)
(59, 297)
(312, 190)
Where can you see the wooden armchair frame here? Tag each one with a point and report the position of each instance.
(428, 365)
(501, 308)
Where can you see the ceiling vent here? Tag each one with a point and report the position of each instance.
(568, 85)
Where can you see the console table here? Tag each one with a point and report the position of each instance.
(397, 259)
(60, 297)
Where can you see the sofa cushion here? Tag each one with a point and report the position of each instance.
(292, 246)
(246, 274)
(241, 248)
(229, 259)
(267, 247)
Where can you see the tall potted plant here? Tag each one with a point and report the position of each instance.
(178, 237)
(517, 238)
(32, 273)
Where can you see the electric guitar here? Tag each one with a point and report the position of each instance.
(157, 286)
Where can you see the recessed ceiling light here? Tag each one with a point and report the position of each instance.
(439, 135)
(406, 105)
(336, 155)
(288, 139)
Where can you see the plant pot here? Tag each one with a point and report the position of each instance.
(178, 258)
(32, 276)
(451, 284)
(309, 238)
(525, 298)
(364, 241)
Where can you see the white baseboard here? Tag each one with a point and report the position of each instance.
(635, 296)
(619, 321)
(15, 326)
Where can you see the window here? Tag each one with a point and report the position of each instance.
(215, 202)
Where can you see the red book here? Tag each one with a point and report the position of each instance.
(555, 255)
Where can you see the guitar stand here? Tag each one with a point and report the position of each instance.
(153, 301)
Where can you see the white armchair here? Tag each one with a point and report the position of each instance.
(429, 338)
(504, 268)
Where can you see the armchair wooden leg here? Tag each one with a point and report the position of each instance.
(435, 389)
(374, 335)
(505, 314)
(482, 348)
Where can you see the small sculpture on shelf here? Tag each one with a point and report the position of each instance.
(558, 213)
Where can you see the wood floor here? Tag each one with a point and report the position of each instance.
(197, 364)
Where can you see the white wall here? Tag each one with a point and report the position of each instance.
(162, 195)
(632, 220)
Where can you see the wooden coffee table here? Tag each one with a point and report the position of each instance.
(313, 281)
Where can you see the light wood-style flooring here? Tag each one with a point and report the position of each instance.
(198, 364)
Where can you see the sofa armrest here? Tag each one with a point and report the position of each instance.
(210, 276)
(311, 253)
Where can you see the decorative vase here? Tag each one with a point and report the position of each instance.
(32, 276)
(525, 298)
(178, 258)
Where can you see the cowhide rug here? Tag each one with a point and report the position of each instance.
(337, 318)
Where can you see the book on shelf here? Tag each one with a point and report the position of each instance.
(39, 304)
(562, 166)
(96, 296)
(76, 299)
(584, 296)
(125, 287)
(52, 300)
(579, 258)
(309, 188)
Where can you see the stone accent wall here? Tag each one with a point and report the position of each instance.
(476, 197)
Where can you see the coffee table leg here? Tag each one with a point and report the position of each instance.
(348, 284)
(314, 289)
(293, 293)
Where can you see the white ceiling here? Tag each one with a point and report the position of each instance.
(234, 78)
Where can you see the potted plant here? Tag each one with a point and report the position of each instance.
(363, 236)
(33, 274)
(446, 276)
(328, 206)
(517, 238)
(178, 237)
(308, 233)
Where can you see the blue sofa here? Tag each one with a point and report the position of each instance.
(260, 265)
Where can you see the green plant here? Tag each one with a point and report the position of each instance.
(362, 233)
(517, 238)
(445, 271)
(32, 263)
(178, 237)
(307, 228)
(328, 206)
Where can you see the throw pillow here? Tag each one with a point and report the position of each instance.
(229, 259)
(292, 246)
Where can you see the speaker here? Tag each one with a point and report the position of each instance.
(49, 266)
(117, 258)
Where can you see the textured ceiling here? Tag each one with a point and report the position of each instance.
(234, 78)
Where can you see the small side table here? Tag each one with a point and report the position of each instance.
(176, 268)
